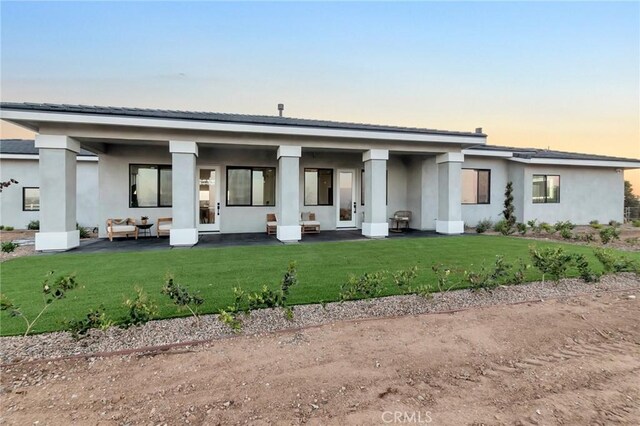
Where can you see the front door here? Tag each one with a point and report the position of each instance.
(346, 199)
(208, 199)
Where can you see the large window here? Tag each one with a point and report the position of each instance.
(30, 199)
(149, 185)
(546, 188)
(251, 186)
(476, 186)
(318, 187)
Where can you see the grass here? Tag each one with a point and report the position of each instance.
(108, 279)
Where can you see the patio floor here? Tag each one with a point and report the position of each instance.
(103, 245)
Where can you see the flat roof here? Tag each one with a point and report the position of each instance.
(216, 117)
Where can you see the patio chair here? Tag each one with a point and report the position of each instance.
(401, 219)
(164, 226)
(117, 227)
(309, 224)
(272, 223)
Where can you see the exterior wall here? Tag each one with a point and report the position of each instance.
(473, 213)
(27, 173)
(586, 193)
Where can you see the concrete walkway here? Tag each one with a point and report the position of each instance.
(103, 245)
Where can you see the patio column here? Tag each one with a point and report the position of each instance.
(57, 193)
(184, 231)
(375, 185)
(288, 194)
(450, 193)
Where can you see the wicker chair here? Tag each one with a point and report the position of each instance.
(119, 227)
(164, 226)
(401, 219)
(272, 223)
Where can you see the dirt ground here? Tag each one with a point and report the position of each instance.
(573, 361)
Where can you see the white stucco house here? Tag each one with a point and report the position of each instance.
(213, 172)
(20, 203)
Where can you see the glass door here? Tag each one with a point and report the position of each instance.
(208, 199)
(346, 199)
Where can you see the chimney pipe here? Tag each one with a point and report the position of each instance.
(280, 109)
(478, 129)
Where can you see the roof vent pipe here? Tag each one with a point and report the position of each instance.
(478, 129)
(280, 109)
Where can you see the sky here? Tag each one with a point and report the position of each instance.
(558, 75)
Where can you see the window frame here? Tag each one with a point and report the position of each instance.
(478, 188)
(24, 188)
(250, 168)
(546, 189)
(158, 167)
(317, 169)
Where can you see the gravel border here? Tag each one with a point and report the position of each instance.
(180, 330)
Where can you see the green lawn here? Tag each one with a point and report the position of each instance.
(107, 279)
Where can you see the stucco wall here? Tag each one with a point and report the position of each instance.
(27, 173)
(473, 213)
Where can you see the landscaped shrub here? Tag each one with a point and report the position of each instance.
(566, 233)
(586, 273)
(34, 225)
(95, 318)
(483, 226)
(614, 223)
(83, 231)
(546, 227)
(609, 234)
(8, 228)
(443, 278)
(487, 278)
(636, 223)
(503, 227)
(519, 273)
(612, 263)
(366, 285)
(141, 309)
(561, 225)
(522, 228)
(633, 240)
(52, 290)
(181, 296)
(553, 261)
(534, 226)
(404, 279)
(595, 224)
(9, 246)
(1, 227)
(509, 209)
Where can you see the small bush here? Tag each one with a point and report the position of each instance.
(1, 227)
(487, 278)
(181, 296)
(586, 273)
(231, 320)
(503, 227)
(443, 278)
(96, 318)
(141, 309)
(633, 240)
(9, 246)
(614, 223)
(588, 237)
(522, 228)
(84, 233)
(548, 228)
(483, 226)
(8, 228)
(34, 225)
(609, 234)
(595, 224)
(366, 285)
(404, 279)
(612, 263)
(636, 223)
(561, 225)
(566, 233)
(553, 261)
(519, 273)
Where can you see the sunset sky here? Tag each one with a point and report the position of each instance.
(559, 75)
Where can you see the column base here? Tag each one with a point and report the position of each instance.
(183, 237)
(375, 230)
(289, 234)
(57, 241)
(449, 227)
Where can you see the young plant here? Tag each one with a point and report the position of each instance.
(83, 231)
(509, 210)
(486, 278)
(404, 279)
(612, 263)
(9, 246)
(522, 228)
(609, 234)
(533, 224)
(95, 318)
(483, 226)
(636, 223)
(8, 228)
(553, 261)
(52, 290)
(586, 273)
(566, 233)
(364, 286)
(34, 225)
(181, 296)
(141, 309)
(443, 278)
(595, 224)
(519, 273)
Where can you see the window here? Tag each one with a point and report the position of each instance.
(251, 186)
(476, 186)
(546, 188)
(362, 188)
(30, 199)
(149, 185)
(318, 187)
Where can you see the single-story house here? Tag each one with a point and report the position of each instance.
(20, 203)
(213, 172)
